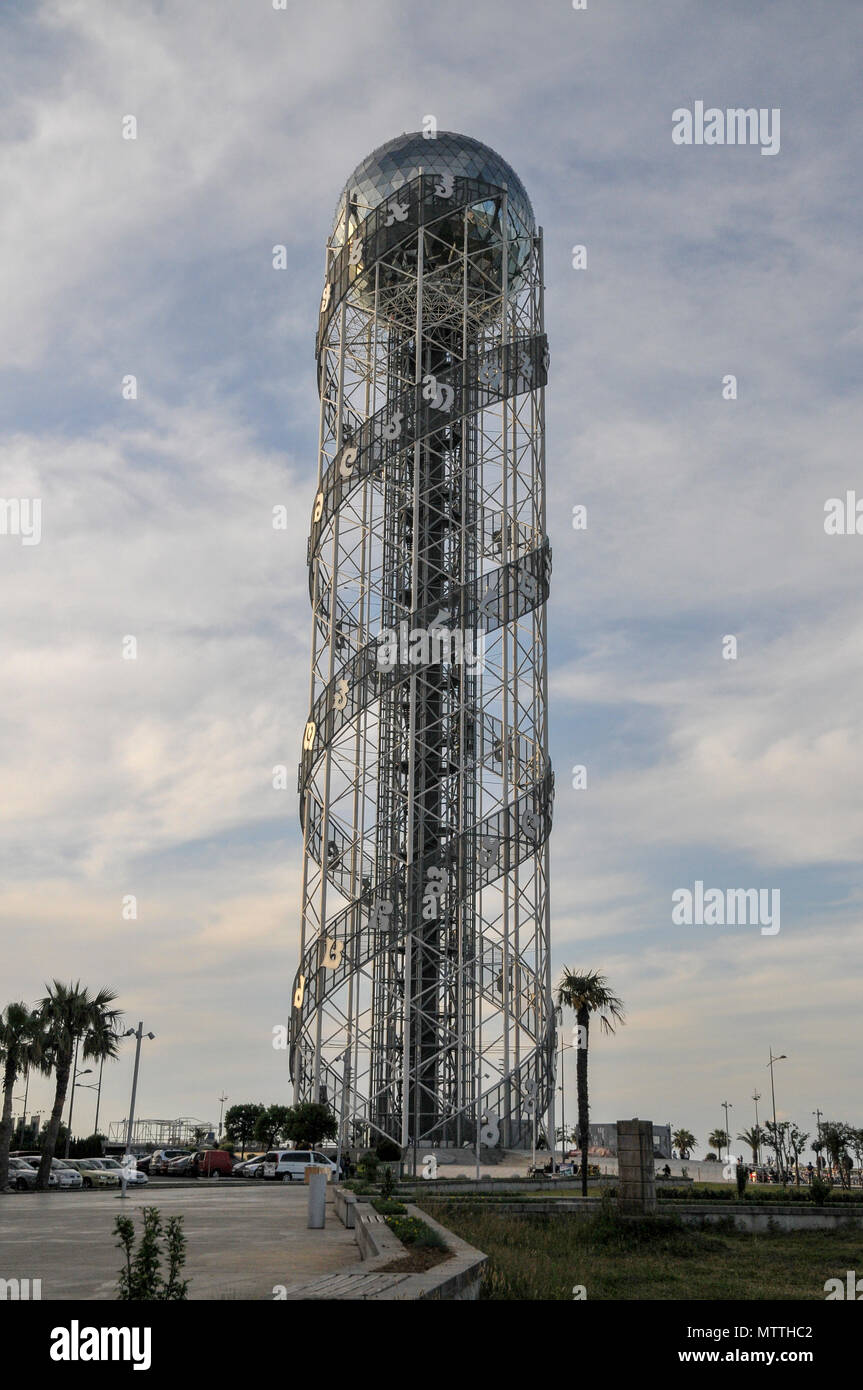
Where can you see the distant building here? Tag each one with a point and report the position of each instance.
(603, 1141)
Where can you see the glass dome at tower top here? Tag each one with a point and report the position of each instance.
(401, 159)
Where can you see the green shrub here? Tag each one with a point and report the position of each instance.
(368, 1166)
(385, 1208)
(141, 1280)
(819, 1191)
(388, 1183)
(388, 1150)
(411, 1231)
(741, 1177)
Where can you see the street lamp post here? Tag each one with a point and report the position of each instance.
(818, 1113)
(562, 1093)
(726, 1106)
(138, 1035)
(85, 1071)
(771, 1064)
(26, 1092)
(98, 1096)
(756, 1096)
(222, 1100)
(346, 1081)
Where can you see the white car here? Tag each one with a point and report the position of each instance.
(289, 1165)
(54, 1177)
(66, 1176)
(134, 1178)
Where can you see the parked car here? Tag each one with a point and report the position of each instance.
(162, 1157)
(134, 1176)
(289, 1165)
(204, 1163)
(92, 1175)
(250, 1167)
(23, 1175)
(66, 1176)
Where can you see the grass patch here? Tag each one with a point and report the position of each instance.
(384, 1207)
(542, 1257)
(414, 1232)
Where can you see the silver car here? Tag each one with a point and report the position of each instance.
(23, 1175)
(134, 1178)
(66, 1176)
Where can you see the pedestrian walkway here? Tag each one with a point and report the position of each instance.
(242, 1244)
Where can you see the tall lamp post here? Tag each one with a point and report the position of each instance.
(756, 1096)
(222, 1100)
(771, 1064)
(346, 1081)
(726, 1106)
(26, 1092)
(562, 1097)
(818, 1114)
(138, 1035)
(85, 1071)
(98, 1096)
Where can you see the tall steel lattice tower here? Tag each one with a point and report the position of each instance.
(422, 1002)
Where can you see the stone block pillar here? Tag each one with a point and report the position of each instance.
(636, 1183)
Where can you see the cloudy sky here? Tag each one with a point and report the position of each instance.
(153, 257)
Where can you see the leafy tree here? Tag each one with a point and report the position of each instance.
(240, 1121)
(753, 1138)
(775, 1137)
(855, 1143)
(719, 1139)
(796, 1144)
(387, 1150)
(21, 1045)
(91, 1147)
(836, 1136)
(70, 1015)
(684, 1141)
(309, 1124)
(586, 993)
(270, 1126)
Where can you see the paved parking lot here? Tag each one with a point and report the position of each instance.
(241, 1242)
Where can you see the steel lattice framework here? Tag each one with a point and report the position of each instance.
(422, 1000)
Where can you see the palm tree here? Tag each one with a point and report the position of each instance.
(587, 993)
(754, 1138)
(718, 1139)
(69, 1016)
(684, 1141)
(20, 1047)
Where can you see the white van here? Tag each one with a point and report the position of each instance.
(290, 1164)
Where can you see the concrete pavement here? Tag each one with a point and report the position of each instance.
(241, 1243)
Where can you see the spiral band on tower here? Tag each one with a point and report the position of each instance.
(422, 1005)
